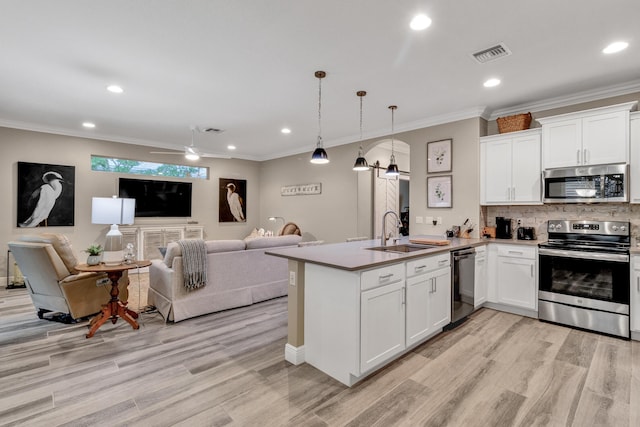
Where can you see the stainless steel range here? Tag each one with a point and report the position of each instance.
(584, 275)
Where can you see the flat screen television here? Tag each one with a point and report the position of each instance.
(156, 198)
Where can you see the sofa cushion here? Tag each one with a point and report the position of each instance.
(225, 246)
(62, 246)
(213, 246)
(270, 242)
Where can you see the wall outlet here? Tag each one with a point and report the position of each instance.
(428, 219)
(103, 281)
(519, 221)
(418, 220)
(439, 220)
(292, 278)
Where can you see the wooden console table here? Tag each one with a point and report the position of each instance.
(114, 308)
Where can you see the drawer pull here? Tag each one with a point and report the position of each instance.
(516, 252)
(443, 262)
(385, 277)
(420, 267)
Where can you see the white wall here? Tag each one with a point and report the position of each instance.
(24, 146)
(337, 214)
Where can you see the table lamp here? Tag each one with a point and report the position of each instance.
(114, 211)
(275, 218)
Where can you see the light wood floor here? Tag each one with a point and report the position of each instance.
(496, 369)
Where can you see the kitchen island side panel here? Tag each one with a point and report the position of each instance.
(332, 321)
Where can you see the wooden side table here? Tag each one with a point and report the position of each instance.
(114, 308)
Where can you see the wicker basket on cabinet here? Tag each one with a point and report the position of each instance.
(514, 123)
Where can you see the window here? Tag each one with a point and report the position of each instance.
(138, 167)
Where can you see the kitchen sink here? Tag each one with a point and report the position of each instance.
(401, 248)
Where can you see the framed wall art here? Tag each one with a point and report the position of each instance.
(439, 191)
(439, 156)
(232, 200)
(45, 195)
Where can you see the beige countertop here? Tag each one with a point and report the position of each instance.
(354, 256)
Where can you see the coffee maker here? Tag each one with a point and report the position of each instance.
(503, 228)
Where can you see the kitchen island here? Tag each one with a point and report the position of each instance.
(353, 309)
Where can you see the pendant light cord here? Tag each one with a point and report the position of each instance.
(361, 121)
(393, 109)
(319, 111)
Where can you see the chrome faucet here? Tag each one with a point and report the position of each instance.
(383, 238)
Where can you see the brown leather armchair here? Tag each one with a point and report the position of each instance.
(48, 262)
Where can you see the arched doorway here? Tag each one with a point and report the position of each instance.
(378, 193)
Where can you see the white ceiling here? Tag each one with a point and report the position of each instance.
(248, 66)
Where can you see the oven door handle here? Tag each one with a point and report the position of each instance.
(598, 256)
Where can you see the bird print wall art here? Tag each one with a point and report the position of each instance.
(45, 195)
(232, 200)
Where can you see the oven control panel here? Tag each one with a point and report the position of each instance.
(616, 228)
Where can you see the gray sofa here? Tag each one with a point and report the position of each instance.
(239, 273)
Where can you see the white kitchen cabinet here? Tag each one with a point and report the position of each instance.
(510, 170)
(480, 283)
(356, 321)
(440, 299)
(382, 324)
(634, 169)
(635, 297)
(428, 297)
(590, 137)
(516, 276)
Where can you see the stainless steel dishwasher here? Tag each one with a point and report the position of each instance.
(463, 263)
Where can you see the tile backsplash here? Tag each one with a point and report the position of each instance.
(537, 216)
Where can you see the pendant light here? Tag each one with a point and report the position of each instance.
(319, 156)
(361, 162)
(392, 169)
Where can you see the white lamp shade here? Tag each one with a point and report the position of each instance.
(112, 210)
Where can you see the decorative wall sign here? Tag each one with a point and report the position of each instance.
(301, 189)
(46, 195)
(439, 156)
(232, 205)
(439, 191)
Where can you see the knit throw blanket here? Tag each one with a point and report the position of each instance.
(194, 263)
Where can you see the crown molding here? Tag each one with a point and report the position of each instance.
(565, 101)
(110, 138)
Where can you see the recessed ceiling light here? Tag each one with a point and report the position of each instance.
(115, 89)
(231, 147)
(615, 47)
(420, 22)
(285, 130)
(89, 125)
(491, 83)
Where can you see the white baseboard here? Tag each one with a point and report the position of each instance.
(294, 355)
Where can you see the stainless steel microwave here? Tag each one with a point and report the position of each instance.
(586, 184)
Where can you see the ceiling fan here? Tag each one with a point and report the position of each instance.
(191, 152)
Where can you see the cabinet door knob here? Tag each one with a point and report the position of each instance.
(578, 156)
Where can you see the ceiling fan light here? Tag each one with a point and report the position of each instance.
(191, 156)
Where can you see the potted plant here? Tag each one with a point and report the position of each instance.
(95, 252)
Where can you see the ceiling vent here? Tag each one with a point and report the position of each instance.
(491, 54)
